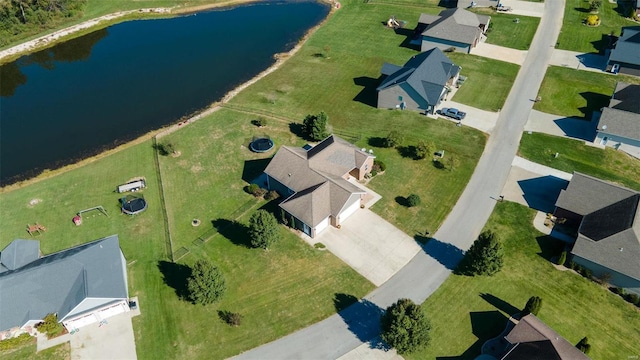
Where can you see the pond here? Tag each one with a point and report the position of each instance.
(92, 93)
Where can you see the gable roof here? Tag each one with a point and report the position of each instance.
(455, 25)
(426, 73)
(534, 340)
(19, 253)
(619, 122)
(316, 177)
(627, 49)
(609, 233)
(58, 282)
(625, 97)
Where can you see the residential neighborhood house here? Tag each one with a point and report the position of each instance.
(456, 29)
(626, 52)
(608, 229)
(421, 84)
(82, 285)
(619, 123)
(315, 182)
(531, 339)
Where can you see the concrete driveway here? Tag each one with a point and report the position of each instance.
(370, 245)
(482, 120)
(114, 340)
(500, 53)
(562, 126)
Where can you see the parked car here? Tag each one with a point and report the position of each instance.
(453, 113)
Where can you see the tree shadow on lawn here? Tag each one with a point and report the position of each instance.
(296, 129)
(253, 169)
(485, 325)
(500, 304)
(408, 151)
(362, 318)
(402, 201)
(376, 141)
(368, 95)
(175, 276)
(235, 231)
(595, 102)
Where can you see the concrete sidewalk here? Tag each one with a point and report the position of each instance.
(540, 169)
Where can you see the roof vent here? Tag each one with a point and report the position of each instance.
(363, 149)
(604, 127)
(370, 151)
(621, 249)
(289, 174)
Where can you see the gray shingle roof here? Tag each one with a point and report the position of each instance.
(530, 329)
(611, 222)
(58, 282)
(19, 253)
(619, 122)
(427, 73)
(625, 97)
(627, 48)
(586, 194)
(315, 175)
(455, 25)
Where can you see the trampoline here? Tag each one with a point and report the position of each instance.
(261, 145)
(132, 205)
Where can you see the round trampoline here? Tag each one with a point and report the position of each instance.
(132, 205)
(261, 145)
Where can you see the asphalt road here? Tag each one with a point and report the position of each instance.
(358, 324)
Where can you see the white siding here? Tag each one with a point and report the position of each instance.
(323, 225)
(352, 205)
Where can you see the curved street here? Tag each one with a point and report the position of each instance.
(358, 324)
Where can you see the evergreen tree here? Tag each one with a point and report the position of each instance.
(486, 255)
(263, 229)
(314, 127)
(533, 306)
(206, 284)
(405, 327)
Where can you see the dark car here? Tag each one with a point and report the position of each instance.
(453, 113)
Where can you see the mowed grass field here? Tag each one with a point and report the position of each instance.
(574, 155)
(576, 93)
(576, 36)
(467, 311)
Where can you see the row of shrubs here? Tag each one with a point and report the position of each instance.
(587, 273)
(257, 191)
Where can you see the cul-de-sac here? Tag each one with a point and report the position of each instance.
(320, 179)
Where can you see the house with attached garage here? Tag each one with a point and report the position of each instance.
(455, 28)
(420, 84)
(619, 123)
(81, 285)
(314, 182)
(607, 219)
(625, 55)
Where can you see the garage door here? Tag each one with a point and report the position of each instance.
(350, 210)
(111, 311)
(80, 322)
(323, 224)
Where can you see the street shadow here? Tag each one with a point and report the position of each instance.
(542, 192)
(253, 169)
(577, 128)
(550, 247)
(362, 319)
(234, 231)
(446, 254)
(175, 276)
(500, 304)
(368, 95)
(342, 301)
(595, 102)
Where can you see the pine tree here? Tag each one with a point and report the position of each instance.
(405, 327)
(486, 255)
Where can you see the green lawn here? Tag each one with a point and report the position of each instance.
(576, 36)
(607, 164)
(576, 93)
(467, 311)
(60, 352)
(505, 31)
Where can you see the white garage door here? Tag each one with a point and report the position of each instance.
(323, 224)
(111, 311)
(80, 322)
(350, 210)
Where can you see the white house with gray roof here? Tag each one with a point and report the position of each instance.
(315, 182)
(82, 285)
(454, 28)
(608, 222)
(420, 84)
(626, 52)
(619, 124)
